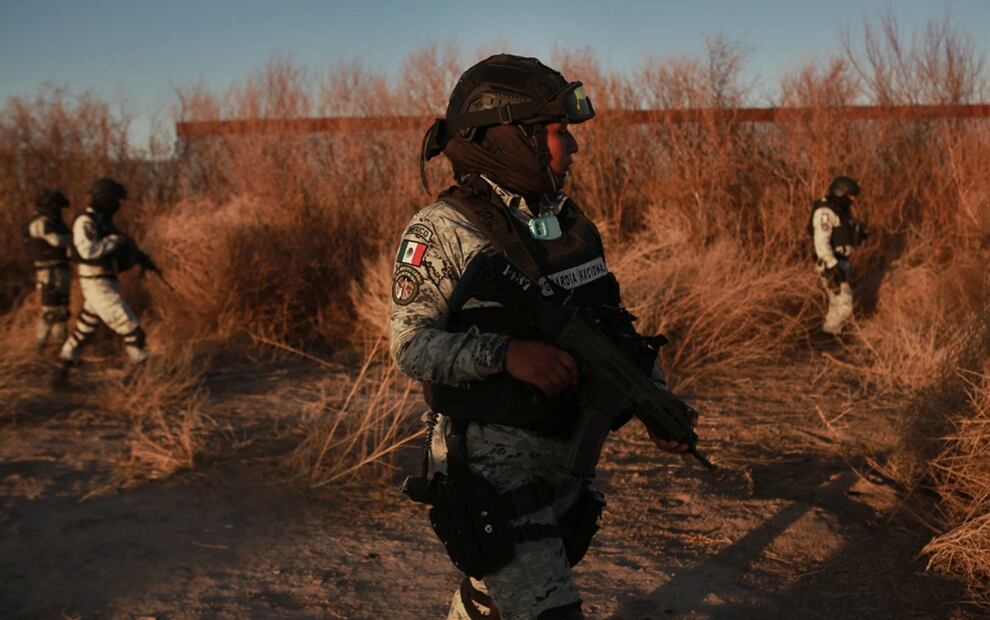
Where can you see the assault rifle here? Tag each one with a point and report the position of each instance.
(130, 255)
(147, 264)
(612, 385)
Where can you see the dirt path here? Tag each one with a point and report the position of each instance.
(814, 537)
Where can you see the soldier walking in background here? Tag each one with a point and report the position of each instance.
(503, 400)
(102, 251)
(835, 233)
(49, 241)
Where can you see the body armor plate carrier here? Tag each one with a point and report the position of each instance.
(575, 261)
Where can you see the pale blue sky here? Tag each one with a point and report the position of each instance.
(141, 48)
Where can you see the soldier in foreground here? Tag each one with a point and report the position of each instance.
(102, 252)
(49, 239)
(835, 233)
(503, 399)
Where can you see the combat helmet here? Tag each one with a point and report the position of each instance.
(50, 198)
(105, 195)
(843, 187)
(505, 89)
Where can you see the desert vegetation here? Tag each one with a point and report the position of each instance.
(279, 246)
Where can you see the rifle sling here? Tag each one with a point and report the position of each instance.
(502, 231)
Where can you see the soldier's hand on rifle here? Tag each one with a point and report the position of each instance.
(669, 446)
(147, 264)
(547, 367)
(672, 446)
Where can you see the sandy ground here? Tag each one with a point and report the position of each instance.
(817, 535)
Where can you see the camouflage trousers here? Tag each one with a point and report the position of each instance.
(539, 576)
(103, 303)
(53, 284)
(840, 301)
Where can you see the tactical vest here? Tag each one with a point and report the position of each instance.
(575, 262)
(847, 233)
(40, 250)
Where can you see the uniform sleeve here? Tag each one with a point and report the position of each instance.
(432, 255)
(41, 228)
(89, 244)
(822, 221)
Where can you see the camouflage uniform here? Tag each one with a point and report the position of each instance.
(53, 277)
(103, 302)
(840, 301)
(436, 247)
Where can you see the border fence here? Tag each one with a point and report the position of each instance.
(191, 129)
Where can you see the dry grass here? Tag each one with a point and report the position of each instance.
(166, 407)
(920, 325)
(719, 307)
(25, 378)
(962, 474)
(371, 299)
(355, 426)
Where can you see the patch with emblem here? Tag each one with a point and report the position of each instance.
(577, 276)
(411, 253)
(405, 286)
(421, 231)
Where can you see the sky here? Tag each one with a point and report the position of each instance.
(142, 50)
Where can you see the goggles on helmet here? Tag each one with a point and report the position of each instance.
(574, 104)
(571, 104)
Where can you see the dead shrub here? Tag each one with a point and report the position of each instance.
(355, 425)
(167, 441)
(719, 308)
(56, 138)
(962, 480)
(371, 298)
(922, 322)
(25, 377)
(164, 401)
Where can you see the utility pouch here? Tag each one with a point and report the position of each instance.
(580, 523)
(470, 519)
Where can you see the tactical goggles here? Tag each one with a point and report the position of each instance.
(571, 104)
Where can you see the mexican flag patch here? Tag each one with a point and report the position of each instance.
(411, 253)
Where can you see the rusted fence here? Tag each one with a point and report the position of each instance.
(185, 130)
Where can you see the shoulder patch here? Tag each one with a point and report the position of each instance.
(420, 230)
(411, 253)
(405, 286)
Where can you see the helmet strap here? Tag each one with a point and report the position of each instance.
(537, 133)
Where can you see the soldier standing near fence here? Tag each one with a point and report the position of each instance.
(503, 400)
(102, 252)
(49, 239)
(835, 232)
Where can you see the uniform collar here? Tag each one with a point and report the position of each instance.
(550, 204)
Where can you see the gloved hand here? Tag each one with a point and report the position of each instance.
(146, 264)
(835, 274)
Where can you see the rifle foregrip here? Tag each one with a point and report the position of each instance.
(586, 447)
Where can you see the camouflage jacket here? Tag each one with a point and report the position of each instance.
(435, 249)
